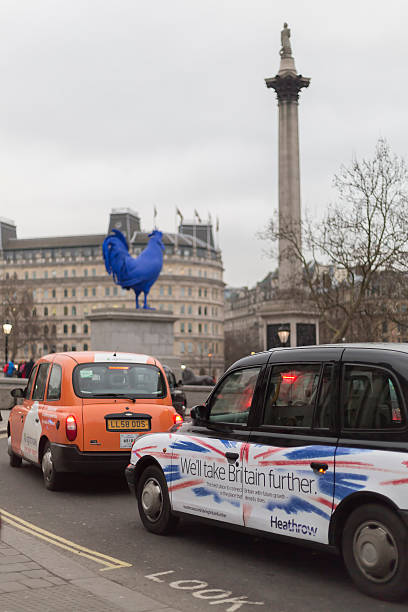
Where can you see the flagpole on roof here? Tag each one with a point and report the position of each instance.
(178, 214)
(208, 229)
(196, 216)
(194, 234)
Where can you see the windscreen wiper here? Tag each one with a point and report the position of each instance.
(115, 395)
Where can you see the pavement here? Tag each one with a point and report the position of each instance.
(36, 578)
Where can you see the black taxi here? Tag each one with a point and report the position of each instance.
(309, 443)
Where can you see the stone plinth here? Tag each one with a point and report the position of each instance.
(196, 394)
(134, 331)
(298, 317)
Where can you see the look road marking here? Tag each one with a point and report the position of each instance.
(199, 589)
(109, 562)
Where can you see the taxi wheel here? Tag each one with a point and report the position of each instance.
(154, 502)
(52, 479)
(15, 460)
(374, 545)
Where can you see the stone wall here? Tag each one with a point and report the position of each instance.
(6, 401)
(196, 395)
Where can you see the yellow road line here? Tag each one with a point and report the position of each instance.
(107, 561)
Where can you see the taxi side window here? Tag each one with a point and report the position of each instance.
(39, 386)
(31, 382)
(233, 398)
(291, 395)
(54, 384)
(171, 379)
(370, 399)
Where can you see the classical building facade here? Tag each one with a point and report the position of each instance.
(68, 280)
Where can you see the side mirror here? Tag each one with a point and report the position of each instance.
(200, 413)
(17, 393)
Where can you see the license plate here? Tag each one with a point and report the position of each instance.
(128, 424)
(127, 440)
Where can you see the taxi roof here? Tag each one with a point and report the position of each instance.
(262, 357)
(104, 356)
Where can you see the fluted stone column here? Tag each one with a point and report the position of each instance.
(287, 84)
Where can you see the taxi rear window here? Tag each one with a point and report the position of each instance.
(128, 380)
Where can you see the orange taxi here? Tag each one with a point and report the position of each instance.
(82, 411)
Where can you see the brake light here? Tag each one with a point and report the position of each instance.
(71, 428)
(289, 378)
(177, 419)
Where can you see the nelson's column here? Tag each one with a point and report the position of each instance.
(286, 312)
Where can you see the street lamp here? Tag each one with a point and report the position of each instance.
(209, 363)
(283, 335)
(7, 327)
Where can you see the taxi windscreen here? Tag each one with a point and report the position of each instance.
(128, 380)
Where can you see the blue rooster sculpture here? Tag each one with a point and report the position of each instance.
(137, 273)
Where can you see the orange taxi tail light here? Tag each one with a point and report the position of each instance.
(71, 429)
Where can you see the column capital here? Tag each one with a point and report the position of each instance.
(287, 86)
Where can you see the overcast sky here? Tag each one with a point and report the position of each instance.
(130, 103)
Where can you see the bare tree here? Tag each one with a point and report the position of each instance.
(360, 244)
(17, 307)
(239, 343)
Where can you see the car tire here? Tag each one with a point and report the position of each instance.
(53, 480)
(15, 460)
(154, 503)
(374, 547)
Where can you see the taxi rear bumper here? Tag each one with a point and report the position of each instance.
(68, 458)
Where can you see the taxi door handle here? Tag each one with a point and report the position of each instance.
(319, 467)
(231, 457)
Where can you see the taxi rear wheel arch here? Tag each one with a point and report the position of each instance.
(41, 447)
(157, 517)
(346, 507)
(53, 480)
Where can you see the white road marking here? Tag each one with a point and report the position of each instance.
(154, 576)
(3, 435)
(198, 588)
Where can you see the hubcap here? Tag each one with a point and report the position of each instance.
(375, 551)
(152, 499)
(46, 464)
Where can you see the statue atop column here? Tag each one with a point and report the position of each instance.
(286, 50)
